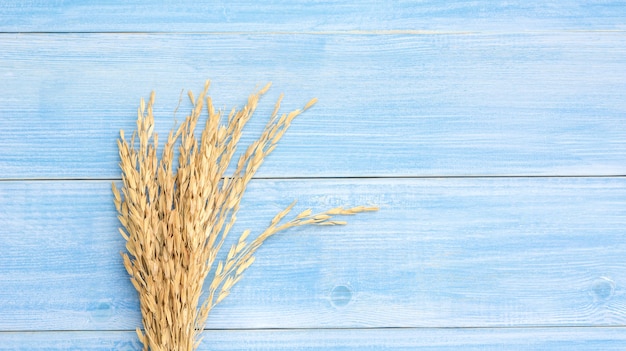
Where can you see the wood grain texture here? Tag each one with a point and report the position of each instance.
(449, 339)
(450, 103)
(308, 15)
(440, 253)
(390, 105)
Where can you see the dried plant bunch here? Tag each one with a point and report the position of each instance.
(175, 219)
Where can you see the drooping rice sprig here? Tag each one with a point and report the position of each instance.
(175, 219)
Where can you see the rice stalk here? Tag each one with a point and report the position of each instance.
(175, 219)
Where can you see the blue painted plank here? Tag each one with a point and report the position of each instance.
(309, 15)
(449, 339)
(488, 252)
(390, 105)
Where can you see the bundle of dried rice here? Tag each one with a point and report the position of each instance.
(175, 220)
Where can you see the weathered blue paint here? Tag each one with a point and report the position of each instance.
(389, 105)
(308, 15)
(446, 339)
(492, 135)
(474, 252)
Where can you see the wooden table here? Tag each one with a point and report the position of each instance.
(492, 135)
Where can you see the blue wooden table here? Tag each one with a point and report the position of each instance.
(491, 134)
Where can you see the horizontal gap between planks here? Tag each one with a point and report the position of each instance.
(335, 32)
(551, 327)
(336, 178)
